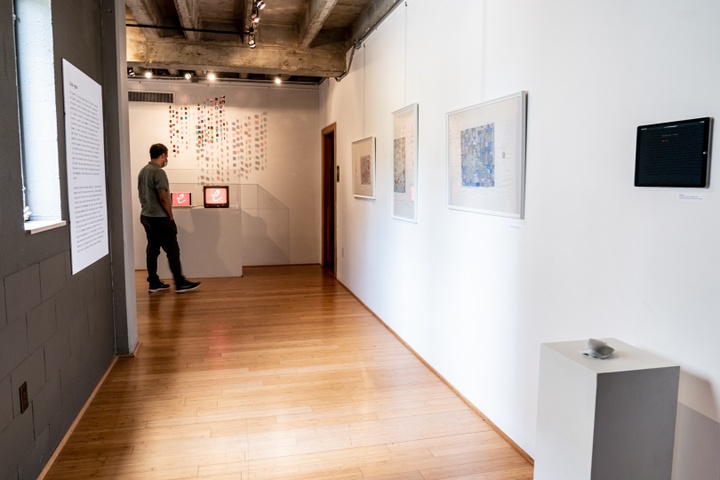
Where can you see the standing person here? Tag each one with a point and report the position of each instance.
(157, 218)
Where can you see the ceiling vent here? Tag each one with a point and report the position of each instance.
(154, 97)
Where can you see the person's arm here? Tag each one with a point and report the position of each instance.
(165, 202)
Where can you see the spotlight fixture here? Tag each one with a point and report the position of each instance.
(131, 72)
(188, 75)
(211, 76)
(278, 80)
(260, 4)
(251, 37)
(148, 74)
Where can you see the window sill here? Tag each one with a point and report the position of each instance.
(36, 226)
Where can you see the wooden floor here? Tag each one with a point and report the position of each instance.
(280, 374)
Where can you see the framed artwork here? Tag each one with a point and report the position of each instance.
(486, 157)
(363, 158)
(405, 163)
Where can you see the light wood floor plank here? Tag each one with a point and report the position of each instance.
(280, 374)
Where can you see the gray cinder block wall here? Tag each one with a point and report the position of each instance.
(57, 330)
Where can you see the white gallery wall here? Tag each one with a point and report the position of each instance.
(278, 196)
(475, 295)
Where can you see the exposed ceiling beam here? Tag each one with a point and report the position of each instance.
(136, 39)
(285, 35)
(298, 37)
(233, 57)
(188, 17)
(146, 12)
(313, 20)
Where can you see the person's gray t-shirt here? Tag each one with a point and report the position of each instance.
(151, 179)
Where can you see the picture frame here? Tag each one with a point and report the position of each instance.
(405, 163)
(363, 158)
(486, 157)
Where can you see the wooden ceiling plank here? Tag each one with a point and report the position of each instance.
(314, 19)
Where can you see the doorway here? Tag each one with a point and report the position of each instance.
(330, 177)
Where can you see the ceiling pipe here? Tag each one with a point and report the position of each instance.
(187, 29)
(358, 42)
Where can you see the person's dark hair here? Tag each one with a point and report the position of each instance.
(157, 150)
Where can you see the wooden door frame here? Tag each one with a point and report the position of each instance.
(330, 177)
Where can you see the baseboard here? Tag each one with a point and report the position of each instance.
(70, 431)
(131, 354)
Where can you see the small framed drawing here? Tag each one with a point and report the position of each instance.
(363, 158)
(405, 163)
(486, 157)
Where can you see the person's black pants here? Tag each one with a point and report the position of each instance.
(161, 232)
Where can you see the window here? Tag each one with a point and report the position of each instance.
(38, 113)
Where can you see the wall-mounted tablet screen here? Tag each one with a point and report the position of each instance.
(674, 154)
(216, 196)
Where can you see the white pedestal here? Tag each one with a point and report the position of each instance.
(210, 243)
(606, 419)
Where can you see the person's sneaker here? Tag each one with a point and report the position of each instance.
(158, 287)
(187, 287)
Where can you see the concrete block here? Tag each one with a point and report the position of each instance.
(32, 371)
(67, 303)
(101, 324)
(53, 275)
(22, 292)
(13, 346)
(15, 440)
(71, 375)
(7, 471)
(41, 324)
(57, 351)
(3, 315)
(33, 460)
(45, 403)
(6, 409)
(79, 333)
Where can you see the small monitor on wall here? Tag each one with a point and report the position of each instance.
(674, 154)
(181, 199)
(216, 196)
